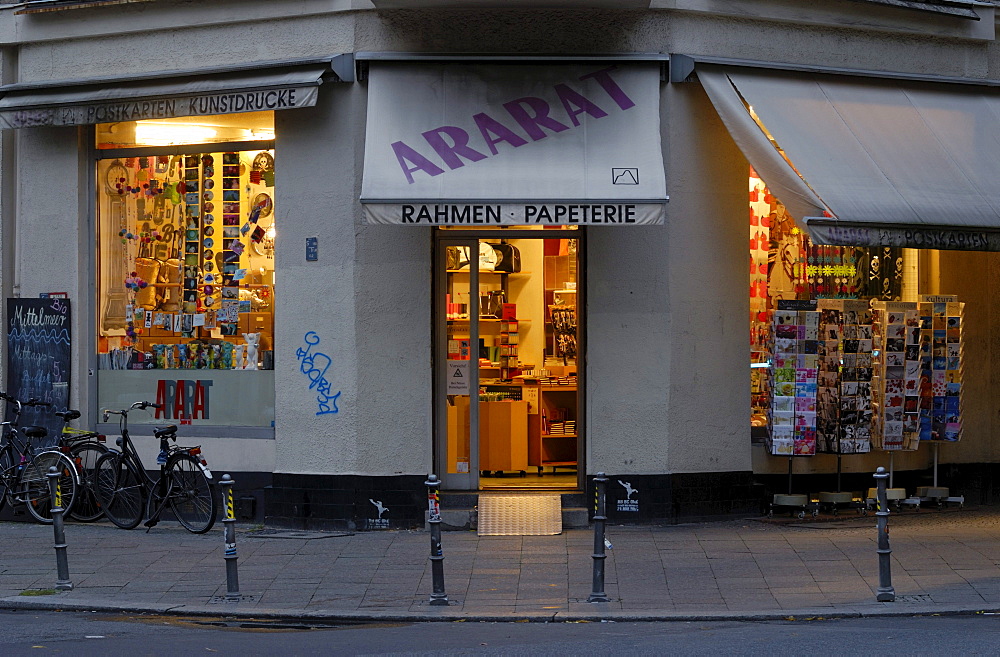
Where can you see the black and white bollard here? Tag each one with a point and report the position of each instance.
(600, 490)
(63, 582)
(229, 523)
(885, 591)
(438, 597)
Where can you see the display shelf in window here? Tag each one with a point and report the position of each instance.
(161, 237)
(941, 324)
(846, 368)
(896, 381)
(794, 371)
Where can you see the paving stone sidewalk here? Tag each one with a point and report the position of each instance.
(942, 562)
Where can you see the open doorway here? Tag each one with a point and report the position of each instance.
(509, 375)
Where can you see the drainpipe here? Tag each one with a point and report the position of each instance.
(8, 200)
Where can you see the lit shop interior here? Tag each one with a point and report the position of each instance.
(186, 228)
(848, 357)
(515, 320)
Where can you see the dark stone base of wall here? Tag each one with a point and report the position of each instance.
(345, 502)
(978, 482)
(682, 497)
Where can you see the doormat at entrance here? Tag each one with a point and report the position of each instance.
(520, 515)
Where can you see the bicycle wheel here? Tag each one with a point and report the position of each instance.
(87, 508)
(6, 473)
(119, 491)
(35, 484)
(191, 494)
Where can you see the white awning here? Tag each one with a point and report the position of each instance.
(896, 163)
(513, 144)
(269, 86)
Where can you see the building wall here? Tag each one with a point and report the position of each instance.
(678, 405)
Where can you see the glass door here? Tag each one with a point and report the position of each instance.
(457, 382)
(509, 391)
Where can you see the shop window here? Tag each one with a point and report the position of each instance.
(187, 270)
(786, 266)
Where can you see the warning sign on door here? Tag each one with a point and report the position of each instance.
(458, 377)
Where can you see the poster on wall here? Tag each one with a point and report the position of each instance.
(38, 358)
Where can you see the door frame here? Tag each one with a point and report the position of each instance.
(469, 480)
(470, 238)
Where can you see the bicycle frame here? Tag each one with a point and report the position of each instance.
(131, 456)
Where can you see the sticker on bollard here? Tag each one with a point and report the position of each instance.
(63, 582)
(597, 593)
(229, 525)
(438, 597)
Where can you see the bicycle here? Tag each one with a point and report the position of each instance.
(124, 488)
(24, 470)
(84, 448)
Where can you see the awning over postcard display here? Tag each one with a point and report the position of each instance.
(513, 144)
(268, 86)
(896, 163)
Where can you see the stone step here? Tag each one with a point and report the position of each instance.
(458, 509)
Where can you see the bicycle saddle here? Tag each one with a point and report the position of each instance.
(68, 415)
(35, 431)
(161, 432)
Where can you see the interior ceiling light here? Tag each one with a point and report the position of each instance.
(153, 133)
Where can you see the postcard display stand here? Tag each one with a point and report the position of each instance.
(794, 387)
(918, 387)
(793, 402)
(844, 411)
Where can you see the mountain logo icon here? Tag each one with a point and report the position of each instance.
(624, 176)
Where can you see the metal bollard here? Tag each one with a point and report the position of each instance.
(63, 582)
(229, 524)
(438, 597)
(600, 486)
(885, 591)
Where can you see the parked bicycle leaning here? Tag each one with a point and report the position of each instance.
(24, 468)
(84, 448)
(125, 490)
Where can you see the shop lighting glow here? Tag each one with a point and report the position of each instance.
(152, 133)
(760, 365)
(256, 134)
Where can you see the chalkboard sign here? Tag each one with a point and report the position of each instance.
(38, 359)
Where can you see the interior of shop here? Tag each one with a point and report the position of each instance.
(526, 309)
(186, 229)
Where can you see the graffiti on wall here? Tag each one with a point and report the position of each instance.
(314, 365)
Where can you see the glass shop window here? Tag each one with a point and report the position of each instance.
(186, 244)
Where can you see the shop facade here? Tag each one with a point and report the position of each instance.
(360, 157)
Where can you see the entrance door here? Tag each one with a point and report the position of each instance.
(508, 380)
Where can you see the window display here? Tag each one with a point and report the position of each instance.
(865, 369)
(186, 246)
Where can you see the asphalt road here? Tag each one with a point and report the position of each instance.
(85, 634)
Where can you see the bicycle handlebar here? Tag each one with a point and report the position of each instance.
(124, 412)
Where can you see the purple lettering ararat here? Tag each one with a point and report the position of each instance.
(487, 124)
(532, 114)
(420, 163)
(452, 153)
(575, 103)
(533, 123)
(603, 78)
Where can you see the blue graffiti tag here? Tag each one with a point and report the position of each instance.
(314, 365)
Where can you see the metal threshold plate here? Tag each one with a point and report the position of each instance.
(299, 534)
(520, 515)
